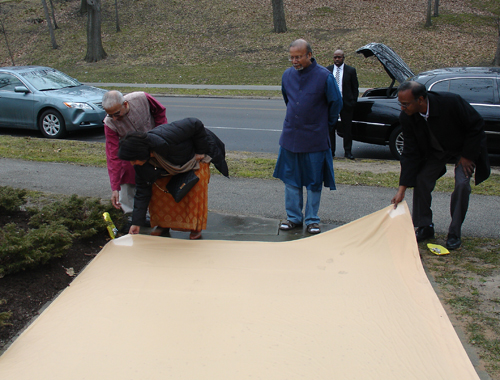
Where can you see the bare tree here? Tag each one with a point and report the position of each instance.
(428, 21)
(83, 7)
(95, 51)
(53, 15)
(436, 8)
(49, 23)
(117, 19)
(493, 7)
(6, 40)
(279, 16)
(496, 60)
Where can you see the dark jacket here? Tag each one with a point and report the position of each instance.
(177, 142)
(458, 128)
(350, 85)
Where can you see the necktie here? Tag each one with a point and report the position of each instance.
(337, 76)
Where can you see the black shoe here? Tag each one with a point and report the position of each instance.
(288, 225)
(424, 233)
(453, 242)
(349, 155)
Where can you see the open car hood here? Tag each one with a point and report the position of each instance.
(393, 64)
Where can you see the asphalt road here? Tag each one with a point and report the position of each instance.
(250, 125)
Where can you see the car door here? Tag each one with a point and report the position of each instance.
(482, 94)
(16, 108)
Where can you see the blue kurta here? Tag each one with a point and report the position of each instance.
(313, 104)
(305, 169)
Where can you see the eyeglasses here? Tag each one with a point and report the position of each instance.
(297, 57)
(117, 113)
(406, 105)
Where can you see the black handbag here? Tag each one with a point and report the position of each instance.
(180, 184)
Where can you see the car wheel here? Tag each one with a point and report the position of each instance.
(396, 142)
(52, 124)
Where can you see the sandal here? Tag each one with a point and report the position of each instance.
(195, 235)
(287, 225)
(313, 228)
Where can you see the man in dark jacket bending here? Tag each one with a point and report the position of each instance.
(439, 127)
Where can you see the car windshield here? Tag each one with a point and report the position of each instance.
(49, 79)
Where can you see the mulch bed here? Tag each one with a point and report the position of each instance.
(27, 292)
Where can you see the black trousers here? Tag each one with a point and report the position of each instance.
(344, 127)
(422, 195)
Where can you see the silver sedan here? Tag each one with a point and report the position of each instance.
(37, 97)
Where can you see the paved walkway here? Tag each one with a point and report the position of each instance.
(253, 199)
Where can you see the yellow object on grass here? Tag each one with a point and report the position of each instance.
(113, 231)
(438, 249)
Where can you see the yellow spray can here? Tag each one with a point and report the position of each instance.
(113, 231)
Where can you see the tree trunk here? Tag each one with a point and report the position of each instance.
(7, 41)
(428, 22)
(117, 19)
(49, 23)
(95, 51)
(53, 15)
(279, 16)
(83, 7)
(436, 8)
(496, 60)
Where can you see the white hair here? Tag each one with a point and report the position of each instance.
(112, 98)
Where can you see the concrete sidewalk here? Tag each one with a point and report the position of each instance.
(253, 207)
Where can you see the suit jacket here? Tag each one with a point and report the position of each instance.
(457, 127)
(350, 85)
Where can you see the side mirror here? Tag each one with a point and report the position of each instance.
(21, 89)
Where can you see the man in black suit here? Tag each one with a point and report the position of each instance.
(347, 80)
(439, 127)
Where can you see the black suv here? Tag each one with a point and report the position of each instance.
(376, 115)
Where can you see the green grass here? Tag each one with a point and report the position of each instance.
(232, 42)
(463, 278)
(240, 165)
(46, 150)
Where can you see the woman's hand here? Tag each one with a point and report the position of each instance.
(199, 157)
(134, 230)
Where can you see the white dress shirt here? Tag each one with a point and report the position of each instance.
(335, 69)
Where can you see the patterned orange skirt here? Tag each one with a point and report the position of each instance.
(190, 213)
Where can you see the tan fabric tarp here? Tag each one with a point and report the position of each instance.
(351, 303)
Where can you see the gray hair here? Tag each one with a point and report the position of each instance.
(302, 43)
(112, 98)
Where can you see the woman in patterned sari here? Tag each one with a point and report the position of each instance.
(165, 151)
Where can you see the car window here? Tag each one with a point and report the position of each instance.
(49, 79)
(8, 82)
(443, 85)
(474, 90)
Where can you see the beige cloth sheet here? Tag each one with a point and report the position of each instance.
(351, 303)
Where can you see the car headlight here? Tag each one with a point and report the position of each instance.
(83, 106)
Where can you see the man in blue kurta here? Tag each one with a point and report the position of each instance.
(313, 102)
